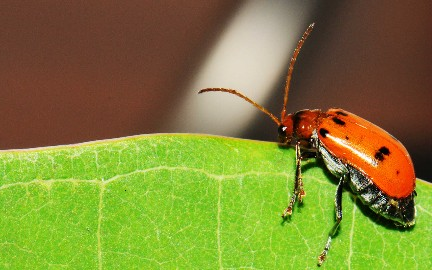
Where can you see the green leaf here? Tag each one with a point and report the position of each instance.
(188, 201)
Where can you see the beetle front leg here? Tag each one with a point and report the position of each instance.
(298, 184)
(338, 208)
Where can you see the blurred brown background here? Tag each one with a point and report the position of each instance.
(75, 71)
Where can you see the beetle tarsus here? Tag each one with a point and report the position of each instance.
(323, 255)
(301, 192)
(288, 210)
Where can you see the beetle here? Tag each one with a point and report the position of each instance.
(374, 164)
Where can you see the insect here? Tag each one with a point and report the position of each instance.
(375, 165)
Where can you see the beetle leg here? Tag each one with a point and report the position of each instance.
(298, 184)
(338, 208)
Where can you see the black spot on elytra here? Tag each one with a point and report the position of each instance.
(379, 155)
(341, 113)
(384, 150)
(347, 138)
(323, 132)
(397, 172)
(338, 121)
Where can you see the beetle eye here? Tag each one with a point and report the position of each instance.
(282, 131)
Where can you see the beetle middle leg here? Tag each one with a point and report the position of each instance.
(338, 208)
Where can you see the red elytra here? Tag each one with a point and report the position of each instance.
(375, 165)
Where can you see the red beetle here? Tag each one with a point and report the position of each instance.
(376, 165)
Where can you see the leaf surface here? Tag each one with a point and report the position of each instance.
(188, 201)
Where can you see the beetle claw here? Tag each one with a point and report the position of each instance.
(302, 194)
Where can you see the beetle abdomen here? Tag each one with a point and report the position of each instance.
(401, 210)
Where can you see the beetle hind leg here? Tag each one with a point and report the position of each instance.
(338, 208)
(298, 184)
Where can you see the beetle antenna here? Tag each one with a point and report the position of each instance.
(291, 68)
(237, 93)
